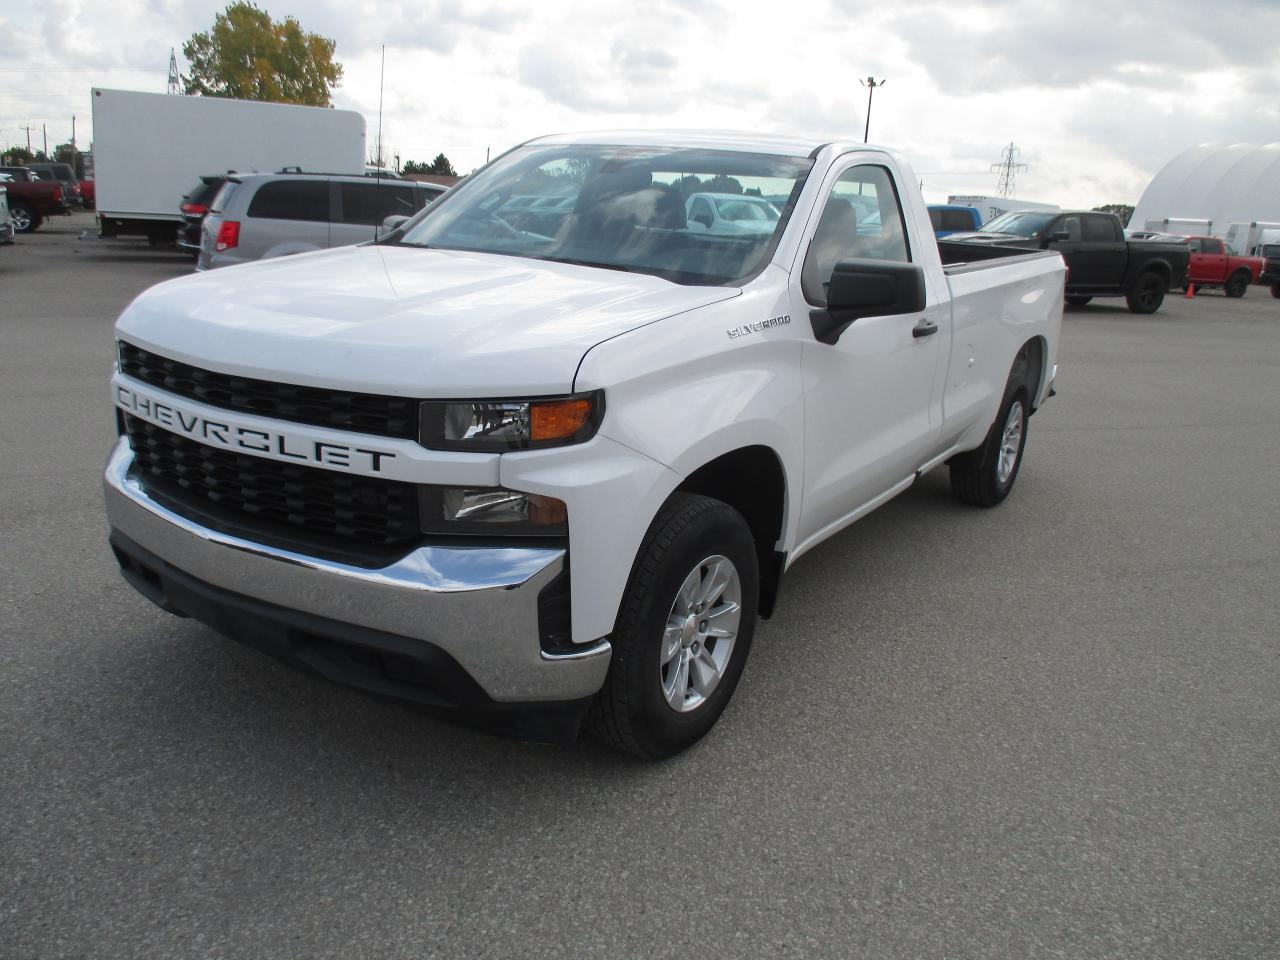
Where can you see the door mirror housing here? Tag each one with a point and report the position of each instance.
(867, 288)
(393, 221)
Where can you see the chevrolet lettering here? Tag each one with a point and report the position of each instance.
(498, 462)
(225, 432)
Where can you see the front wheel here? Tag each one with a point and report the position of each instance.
(1237, 284)
(684, 630)
(24, 218)
(1147, 294)
(984, 477)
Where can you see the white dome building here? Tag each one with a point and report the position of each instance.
(1236, 183)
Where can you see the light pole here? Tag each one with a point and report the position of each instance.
(870, 83)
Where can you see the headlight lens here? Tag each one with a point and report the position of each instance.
(492, 511)
(501, 425)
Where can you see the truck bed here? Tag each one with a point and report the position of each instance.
(960, 257)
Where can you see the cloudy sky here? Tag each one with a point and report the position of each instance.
(1097, 95)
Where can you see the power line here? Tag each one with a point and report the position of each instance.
(1008, 167)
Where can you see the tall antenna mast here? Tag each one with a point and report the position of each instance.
(175, 81)
(381, 77)
(1008, 168)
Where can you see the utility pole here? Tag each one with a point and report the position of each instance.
(28, 128)
(44, 129)
(1008, 167)
(870, 83)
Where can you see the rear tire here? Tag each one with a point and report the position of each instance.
(1147, 294)
(647, 707)
(1077, 301)
(1275, 290)
(1237, 284)
(984, 477)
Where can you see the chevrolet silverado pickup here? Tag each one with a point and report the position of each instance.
(1100, 261)
(550, 472)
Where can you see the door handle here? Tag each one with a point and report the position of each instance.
(924, 329)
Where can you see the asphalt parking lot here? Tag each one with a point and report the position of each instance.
(1048, 730)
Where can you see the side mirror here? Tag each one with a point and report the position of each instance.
(393, 221)
(867, 288)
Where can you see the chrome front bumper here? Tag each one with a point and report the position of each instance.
(479, 605)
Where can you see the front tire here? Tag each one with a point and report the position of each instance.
(24, 218)
(1237, 284)
(1077, 301)
(984, 477)
(1147, 294)
(683, 632)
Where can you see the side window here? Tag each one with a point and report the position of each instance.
(1194, 245)
(371, 203)
(957, 220)
(1068, 225)
(1099, 230)
(701, 213)
(862, 219)
(1212, 246)
(291, 200)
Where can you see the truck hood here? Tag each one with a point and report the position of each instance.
(403, 321)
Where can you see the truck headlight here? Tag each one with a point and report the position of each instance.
(492, 511)
(502, 425)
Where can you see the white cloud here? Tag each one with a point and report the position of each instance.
(1098, 95)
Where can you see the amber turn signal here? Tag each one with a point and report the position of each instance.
(558, 419)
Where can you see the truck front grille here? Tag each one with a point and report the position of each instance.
(340, 409)
(304, 506)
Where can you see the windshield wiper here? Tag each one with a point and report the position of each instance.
(588, 263)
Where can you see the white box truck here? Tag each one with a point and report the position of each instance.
(1246, 238)
(150, 148)
(992, 207)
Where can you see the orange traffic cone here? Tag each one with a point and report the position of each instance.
(1191, 290)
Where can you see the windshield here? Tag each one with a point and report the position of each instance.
(1019, 224)
(622, 208)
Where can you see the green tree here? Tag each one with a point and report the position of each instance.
(19, 156)
(441, 166)
(249, 56)
(1122, 210)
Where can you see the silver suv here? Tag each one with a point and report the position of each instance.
(263, 215)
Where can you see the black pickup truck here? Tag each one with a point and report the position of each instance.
(1100, 262)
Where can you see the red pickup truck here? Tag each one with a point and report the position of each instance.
(1214, 264)
(31, 200)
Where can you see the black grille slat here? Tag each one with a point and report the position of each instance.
(300, 499)
(385, 416)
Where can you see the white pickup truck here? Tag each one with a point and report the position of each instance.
(545, 465)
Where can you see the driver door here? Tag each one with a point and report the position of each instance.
(872, 399)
